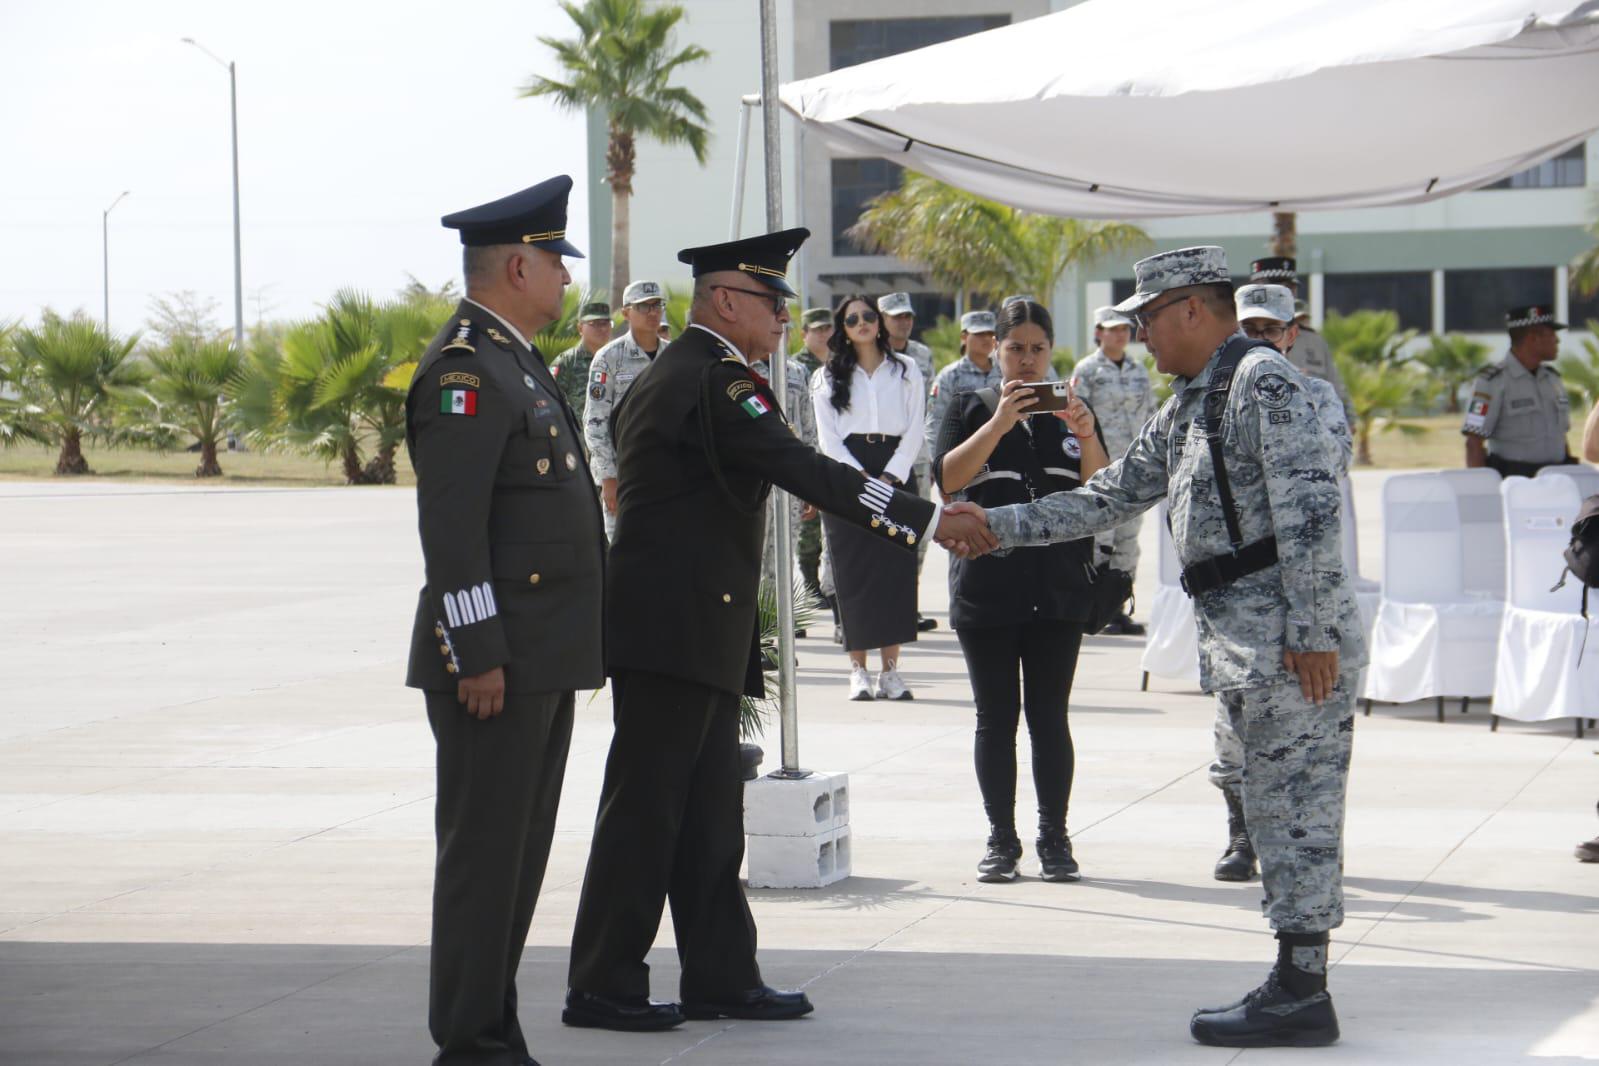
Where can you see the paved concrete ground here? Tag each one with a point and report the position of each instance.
(215, 835)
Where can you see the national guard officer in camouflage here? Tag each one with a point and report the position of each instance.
(1118, 390)
(1279, 635)
(816, 327)
(1309, 353)
(571, 367)
(975, 369)
(802, 417)
(1519, 412)
(508, 624)
(900, 318)
(614, 369)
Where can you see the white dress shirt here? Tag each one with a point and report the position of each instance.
(885, 401)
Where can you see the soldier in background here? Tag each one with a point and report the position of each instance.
(900, 318)
(614, 369)
(802, 417)
(571, 367)
(1118, 390)
(816, 327)
(975, 369)
(1254, 498)
(1309, 354)
(1519, 412)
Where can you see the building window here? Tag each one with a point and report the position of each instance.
(855, 182)
(1568, 170)
(1475, 301)
(863, 40)
(1409, 294)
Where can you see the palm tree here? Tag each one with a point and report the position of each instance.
(977, 246)
(18, 419)
(1453, 360)
(1580, 373)
(189, 380)
(1585, 268)
(69, 371)
(622, 62)
(1367, 346)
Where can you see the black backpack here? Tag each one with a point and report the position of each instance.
(1582, 556)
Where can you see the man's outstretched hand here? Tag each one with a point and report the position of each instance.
(963, 529)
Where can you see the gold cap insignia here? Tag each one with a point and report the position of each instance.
(544, 467)
(548, 235)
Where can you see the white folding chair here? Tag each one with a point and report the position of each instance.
(1586, 477)
(1431, 637)
(1539, 676)
(1482, 530)
(1172, 649)
(1351, 541)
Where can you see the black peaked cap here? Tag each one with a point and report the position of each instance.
(764, 257)
(536, 216)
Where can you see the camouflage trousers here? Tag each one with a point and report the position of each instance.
(1124, 546)
(1295, 778)
(807, 539)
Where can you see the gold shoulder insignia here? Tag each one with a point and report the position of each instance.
(456, 377)
(462, 340)
(497, 337)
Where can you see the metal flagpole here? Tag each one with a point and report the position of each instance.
(745, 103)
(783, 540)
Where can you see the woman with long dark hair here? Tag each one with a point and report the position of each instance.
(870, 404)
(1019, 617)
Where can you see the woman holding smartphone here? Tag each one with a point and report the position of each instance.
(1019, 617)
(869, 406)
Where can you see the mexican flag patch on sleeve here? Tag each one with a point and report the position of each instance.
(458, 402)
(754, 406)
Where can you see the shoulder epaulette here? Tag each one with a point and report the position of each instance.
(1491, 371)
(462, 341)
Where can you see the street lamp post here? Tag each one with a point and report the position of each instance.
(238, 269)
(105, 259)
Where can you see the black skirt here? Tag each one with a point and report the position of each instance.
(875, 579)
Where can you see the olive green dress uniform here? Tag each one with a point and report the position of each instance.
(514, 559)
(700, 441)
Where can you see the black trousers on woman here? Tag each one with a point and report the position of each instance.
(1027, 665)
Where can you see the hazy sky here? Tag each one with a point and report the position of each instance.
(360, 123)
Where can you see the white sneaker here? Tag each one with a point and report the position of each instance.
(860, 684)
(890, 686)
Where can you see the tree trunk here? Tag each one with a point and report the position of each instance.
(380, 471)
(620, 157)
(352, 463)
(1363, 443)
(1284, 233)
(71, 460)
(209, 467)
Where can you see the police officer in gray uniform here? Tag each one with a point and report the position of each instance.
(975, 369)
(616, 366)
(900, 318)
(1309, 353)
(1250, 473)
(1118, 390)
(1519, 412)
(508, 624)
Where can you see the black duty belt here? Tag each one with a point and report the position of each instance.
(1221, 570)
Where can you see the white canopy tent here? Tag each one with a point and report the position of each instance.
(1140, 108)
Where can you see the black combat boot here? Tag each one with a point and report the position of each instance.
(1291, 1009)
(999, 862)
(1238, 862)
(1054, 851)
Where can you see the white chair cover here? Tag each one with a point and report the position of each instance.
(1538, 677)
(1172, 648)
(1586, 477)
(1430, 637)
(1351, 545)
(1482, 530)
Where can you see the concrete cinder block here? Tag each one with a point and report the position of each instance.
(799, 861)
(780, 807)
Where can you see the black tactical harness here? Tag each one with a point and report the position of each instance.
(1220, 570)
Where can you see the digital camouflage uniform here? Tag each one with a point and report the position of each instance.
(922, 356)
(960, 376)
(1310, 355)
(1123, 400)
(1284, 478)
(571, 372)
(802, 417)
(610, 376)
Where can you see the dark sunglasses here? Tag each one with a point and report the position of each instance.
(860, 316)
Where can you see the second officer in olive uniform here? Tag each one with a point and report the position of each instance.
(508, 624)
(700, 441)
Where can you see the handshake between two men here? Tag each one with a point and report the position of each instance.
(963, 530)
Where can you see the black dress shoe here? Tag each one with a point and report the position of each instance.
(925, 624)
(627, 1014)
(762, 1004)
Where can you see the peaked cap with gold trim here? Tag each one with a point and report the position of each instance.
(536, 216)
(763, 258)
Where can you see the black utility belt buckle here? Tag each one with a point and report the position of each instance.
(1206, 574)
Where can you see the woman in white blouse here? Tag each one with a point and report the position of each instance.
(869, 413)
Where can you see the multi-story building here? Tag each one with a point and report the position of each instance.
(1451, 265)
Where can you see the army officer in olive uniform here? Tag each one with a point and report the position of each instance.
(1519, 413)
(700, 441)
(508, 624)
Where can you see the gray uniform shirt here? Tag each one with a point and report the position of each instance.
(963, 375)
(1120, 394)
(610, 376)
(922, 356)
(1284, 476)
(1525, 416)
(1310, 355)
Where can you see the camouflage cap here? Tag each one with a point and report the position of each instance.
(1265, 301)
(895, 303)
(641, 291)
(977, 322)
(1204, 264)
(1109, 316)
(598, 311)
(816, 316)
